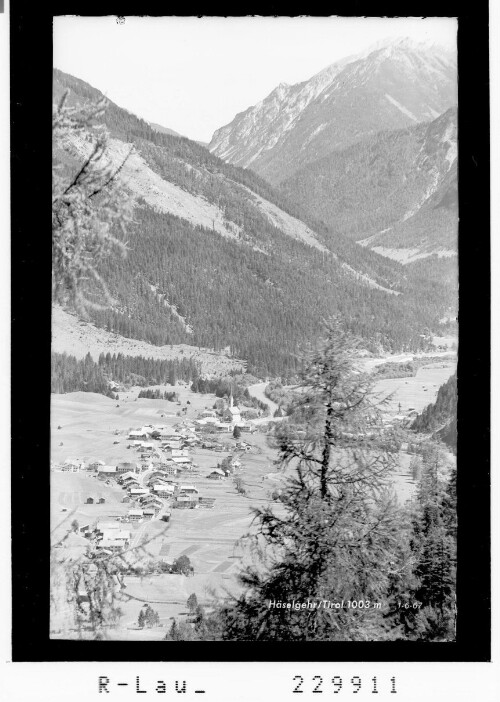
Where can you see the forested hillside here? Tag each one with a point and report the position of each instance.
(396, 189)
(264, 306)
(441, 417)
(217, 258)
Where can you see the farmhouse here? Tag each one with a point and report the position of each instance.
(188, 490)
(110, 545)
(217, 474)
(71, 466)
(138, 435)
(127, 476)
(152, 503)
(164, 490)
(207, 414)
(101, 527)
(105, 472)
(120, 535)
(171, 469)
(186, 499)
(179, 452)
(131, 479)
(173, 443)
(132, 485)
(125, 468)
(135, 515)
(136, 492)
(181, 460)
(147, 446)
(155, 475)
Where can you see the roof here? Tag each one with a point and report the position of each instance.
(135, 512)
(108, 543)
(107, 469)
(101, 526)
(188, 487)
(126, 476)
(129, 466)
(136, 491)
(115, 534)
(218, 471)
(181, 459)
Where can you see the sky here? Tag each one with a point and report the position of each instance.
(194, 75)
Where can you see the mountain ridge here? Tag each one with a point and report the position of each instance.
(395, 192)
(342, 104)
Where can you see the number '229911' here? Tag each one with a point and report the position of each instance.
(336, 684)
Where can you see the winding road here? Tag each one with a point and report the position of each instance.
(257, 391)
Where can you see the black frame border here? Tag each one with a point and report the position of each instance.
(31, 81)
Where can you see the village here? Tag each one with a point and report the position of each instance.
(160, 482)
(123, 483)
(159, 475)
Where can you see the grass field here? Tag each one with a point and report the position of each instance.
(415, 392)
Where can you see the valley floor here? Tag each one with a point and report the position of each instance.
(87, 426)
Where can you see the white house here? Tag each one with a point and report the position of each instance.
(164, 487)
(181, 460)
(135, 515)
(135, 492)
(138, 435)
(188, 489)
(179, 452)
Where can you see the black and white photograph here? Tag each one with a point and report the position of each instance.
(254, 329)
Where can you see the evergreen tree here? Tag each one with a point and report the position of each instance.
(192, 602)
(85, 206)
(338, 531)
(434, 538)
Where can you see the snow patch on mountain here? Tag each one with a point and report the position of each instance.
(286, 223)
(430, 190)
(449, 138)
(313, 134)
(406, 256)
(161, 297)
(401, 107)
(362, 277)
